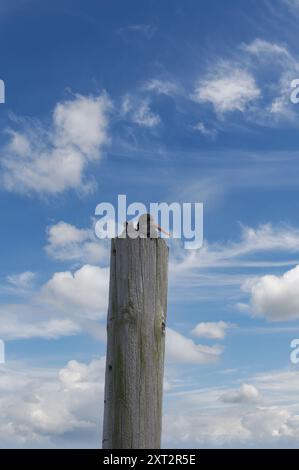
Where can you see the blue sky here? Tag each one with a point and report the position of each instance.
(161, 101)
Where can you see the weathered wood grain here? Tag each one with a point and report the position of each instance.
(136, 341)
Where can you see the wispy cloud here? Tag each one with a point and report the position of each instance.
(21, 280)
(286, 67)
(139, 112)
(19, 284)
(264, 238)
(161, 87)
(204, 130)
(242, 82)
(225, 265)
(142, 29)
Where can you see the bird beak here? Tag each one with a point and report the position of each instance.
(162, 230)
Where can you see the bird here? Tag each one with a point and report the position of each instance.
(147, 228)
(129, 230)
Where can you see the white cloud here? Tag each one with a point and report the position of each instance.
(55, 408)
(67, 242)
(161, 87)
(51, 160)
(281, 384)
(181, 349)
(269, 423)
(275, 297)
(255, 80)
(86, 289)
(82, 123)
(68, 304)
(213, 330)
(285, 66)
(139, 112)
(22, 321)
(19, 284)
(227, 89)
(265, 238)
(268, 237)
(267, 427)
(245, 394)
(21, 280)
(204, 130)
(225, 264)
(47, 408)
(197, 429)
(261, 49)
(63, 233)
(262, 414)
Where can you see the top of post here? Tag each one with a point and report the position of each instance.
(146, 228)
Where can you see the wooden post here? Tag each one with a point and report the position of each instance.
(136, 341)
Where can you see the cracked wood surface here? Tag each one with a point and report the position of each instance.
(135, 344)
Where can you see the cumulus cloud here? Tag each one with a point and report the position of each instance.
(42, 407)
(51, 160)
(245, 394)
(227, 89)
(213, 330)
(275, 297)
(47, 408)
(261, 427)
(66, 242)
(86, 289)
(262, 414)
(181, 349)
(67, 304)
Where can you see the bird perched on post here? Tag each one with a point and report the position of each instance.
(147, 228)
(129, 230)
